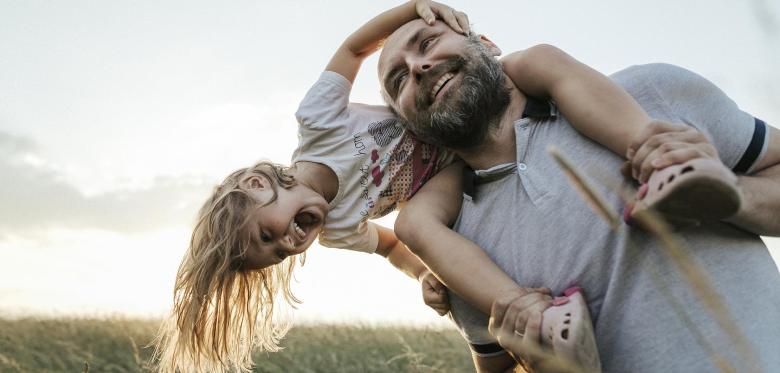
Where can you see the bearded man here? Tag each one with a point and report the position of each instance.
(522, 211)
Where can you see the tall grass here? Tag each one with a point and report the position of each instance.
(119, 345)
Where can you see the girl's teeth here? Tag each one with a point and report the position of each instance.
(298, 229)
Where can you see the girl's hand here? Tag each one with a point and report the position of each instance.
(662, 144)
(429, 11)
(434, 293)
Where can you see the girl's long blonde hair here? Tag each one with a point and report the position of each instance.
(220, 311)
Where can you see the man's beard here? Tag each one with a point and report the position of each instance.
(464, 115)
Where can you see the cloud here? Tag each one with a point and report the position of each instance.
(35, 196)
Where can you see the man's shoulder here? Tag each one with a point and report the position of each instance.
(649, 72)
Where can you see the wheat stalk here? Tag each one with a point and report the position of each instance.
(674, 249)
(586, 190)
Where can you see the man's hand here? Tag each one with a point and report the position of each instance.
(525, 344)
(662, 144)
(430, 10)
(510, 315)
(434, 293)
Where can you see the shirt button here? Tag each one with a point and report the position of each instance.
(522, 166)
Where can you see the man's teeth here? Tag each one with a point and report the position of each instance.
(298, 229)
(444, 78)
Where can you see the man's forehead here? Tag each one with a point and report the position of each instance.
(397, 41)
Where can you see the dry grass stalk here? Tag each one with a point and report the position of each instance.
(721, 363)
(675, 250)
(697, 278)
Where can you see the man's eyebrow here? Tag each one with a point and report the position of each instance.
(413, 40)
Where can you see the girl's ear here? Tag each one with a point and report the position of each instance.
(492, 47)
(256, 182)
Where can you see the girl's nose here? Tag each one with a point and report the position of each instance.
(287, 244)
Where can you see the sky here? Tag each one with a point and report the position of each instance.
(118, 117)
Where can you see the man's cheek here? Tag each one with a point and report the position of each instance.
(405, 107)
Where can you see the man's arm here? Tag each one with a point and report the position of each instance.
(760, 190)
(760, 210)
(368, 38)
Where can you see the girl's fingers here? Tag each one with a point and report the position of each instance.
(448, 15)
(463, 21)
(652, 128)
(676, 157)
(648, 164)
(664, 141)
(649, 146)
(426, 13)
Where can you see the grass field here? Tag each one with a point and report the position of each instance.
(119, 345)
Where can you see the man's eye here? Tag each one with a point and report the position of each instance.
(400, 79)
(426, 43)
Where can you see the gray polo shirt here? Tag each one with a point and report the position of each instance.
(530, 221)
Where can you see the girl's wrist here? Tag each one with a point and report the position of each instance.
(421, 275)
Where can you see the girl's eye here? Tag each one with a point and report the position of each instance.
(281, 254)
(265, 237)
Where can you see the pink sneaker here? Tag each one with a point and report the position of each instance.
(701, 189)
(567, 329)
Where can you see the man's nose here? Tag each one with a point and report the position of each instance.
(419, 68)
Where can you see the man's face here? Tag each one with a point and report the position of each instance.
(446, 88)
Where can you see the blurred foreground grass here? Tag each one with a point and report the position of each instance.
(119, 345)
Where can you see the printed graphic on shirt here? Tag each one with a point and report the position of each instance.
(397, 171)
(385, 131)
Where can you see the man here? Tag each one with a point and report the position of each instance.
(523, 212)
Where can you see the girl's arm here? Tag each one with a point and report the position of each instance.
(459, 263)
(595, 106)
(368, 38)
(433, 292)
(346, 62)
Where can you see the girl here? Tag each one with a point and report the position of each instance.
(354, 163)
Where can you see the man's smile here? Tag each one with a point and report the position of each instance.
(438, 87)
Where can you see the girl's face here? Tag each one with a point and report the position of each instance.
(285, 227)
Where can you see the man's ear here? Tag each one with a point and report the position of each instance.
(256, 182)
(492, 47)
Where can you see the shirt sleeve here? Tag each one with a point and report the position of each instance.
(739, 137)
(325, 101)
(364, 237)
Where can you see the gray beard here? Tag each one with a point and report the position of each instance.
(463, 116)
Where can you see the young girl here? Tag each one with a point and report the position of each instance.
(354, 163)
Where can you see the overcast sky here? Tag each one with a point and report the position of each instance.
(117, 117)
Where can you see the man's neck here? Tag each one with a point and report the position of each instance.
(499, 146)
